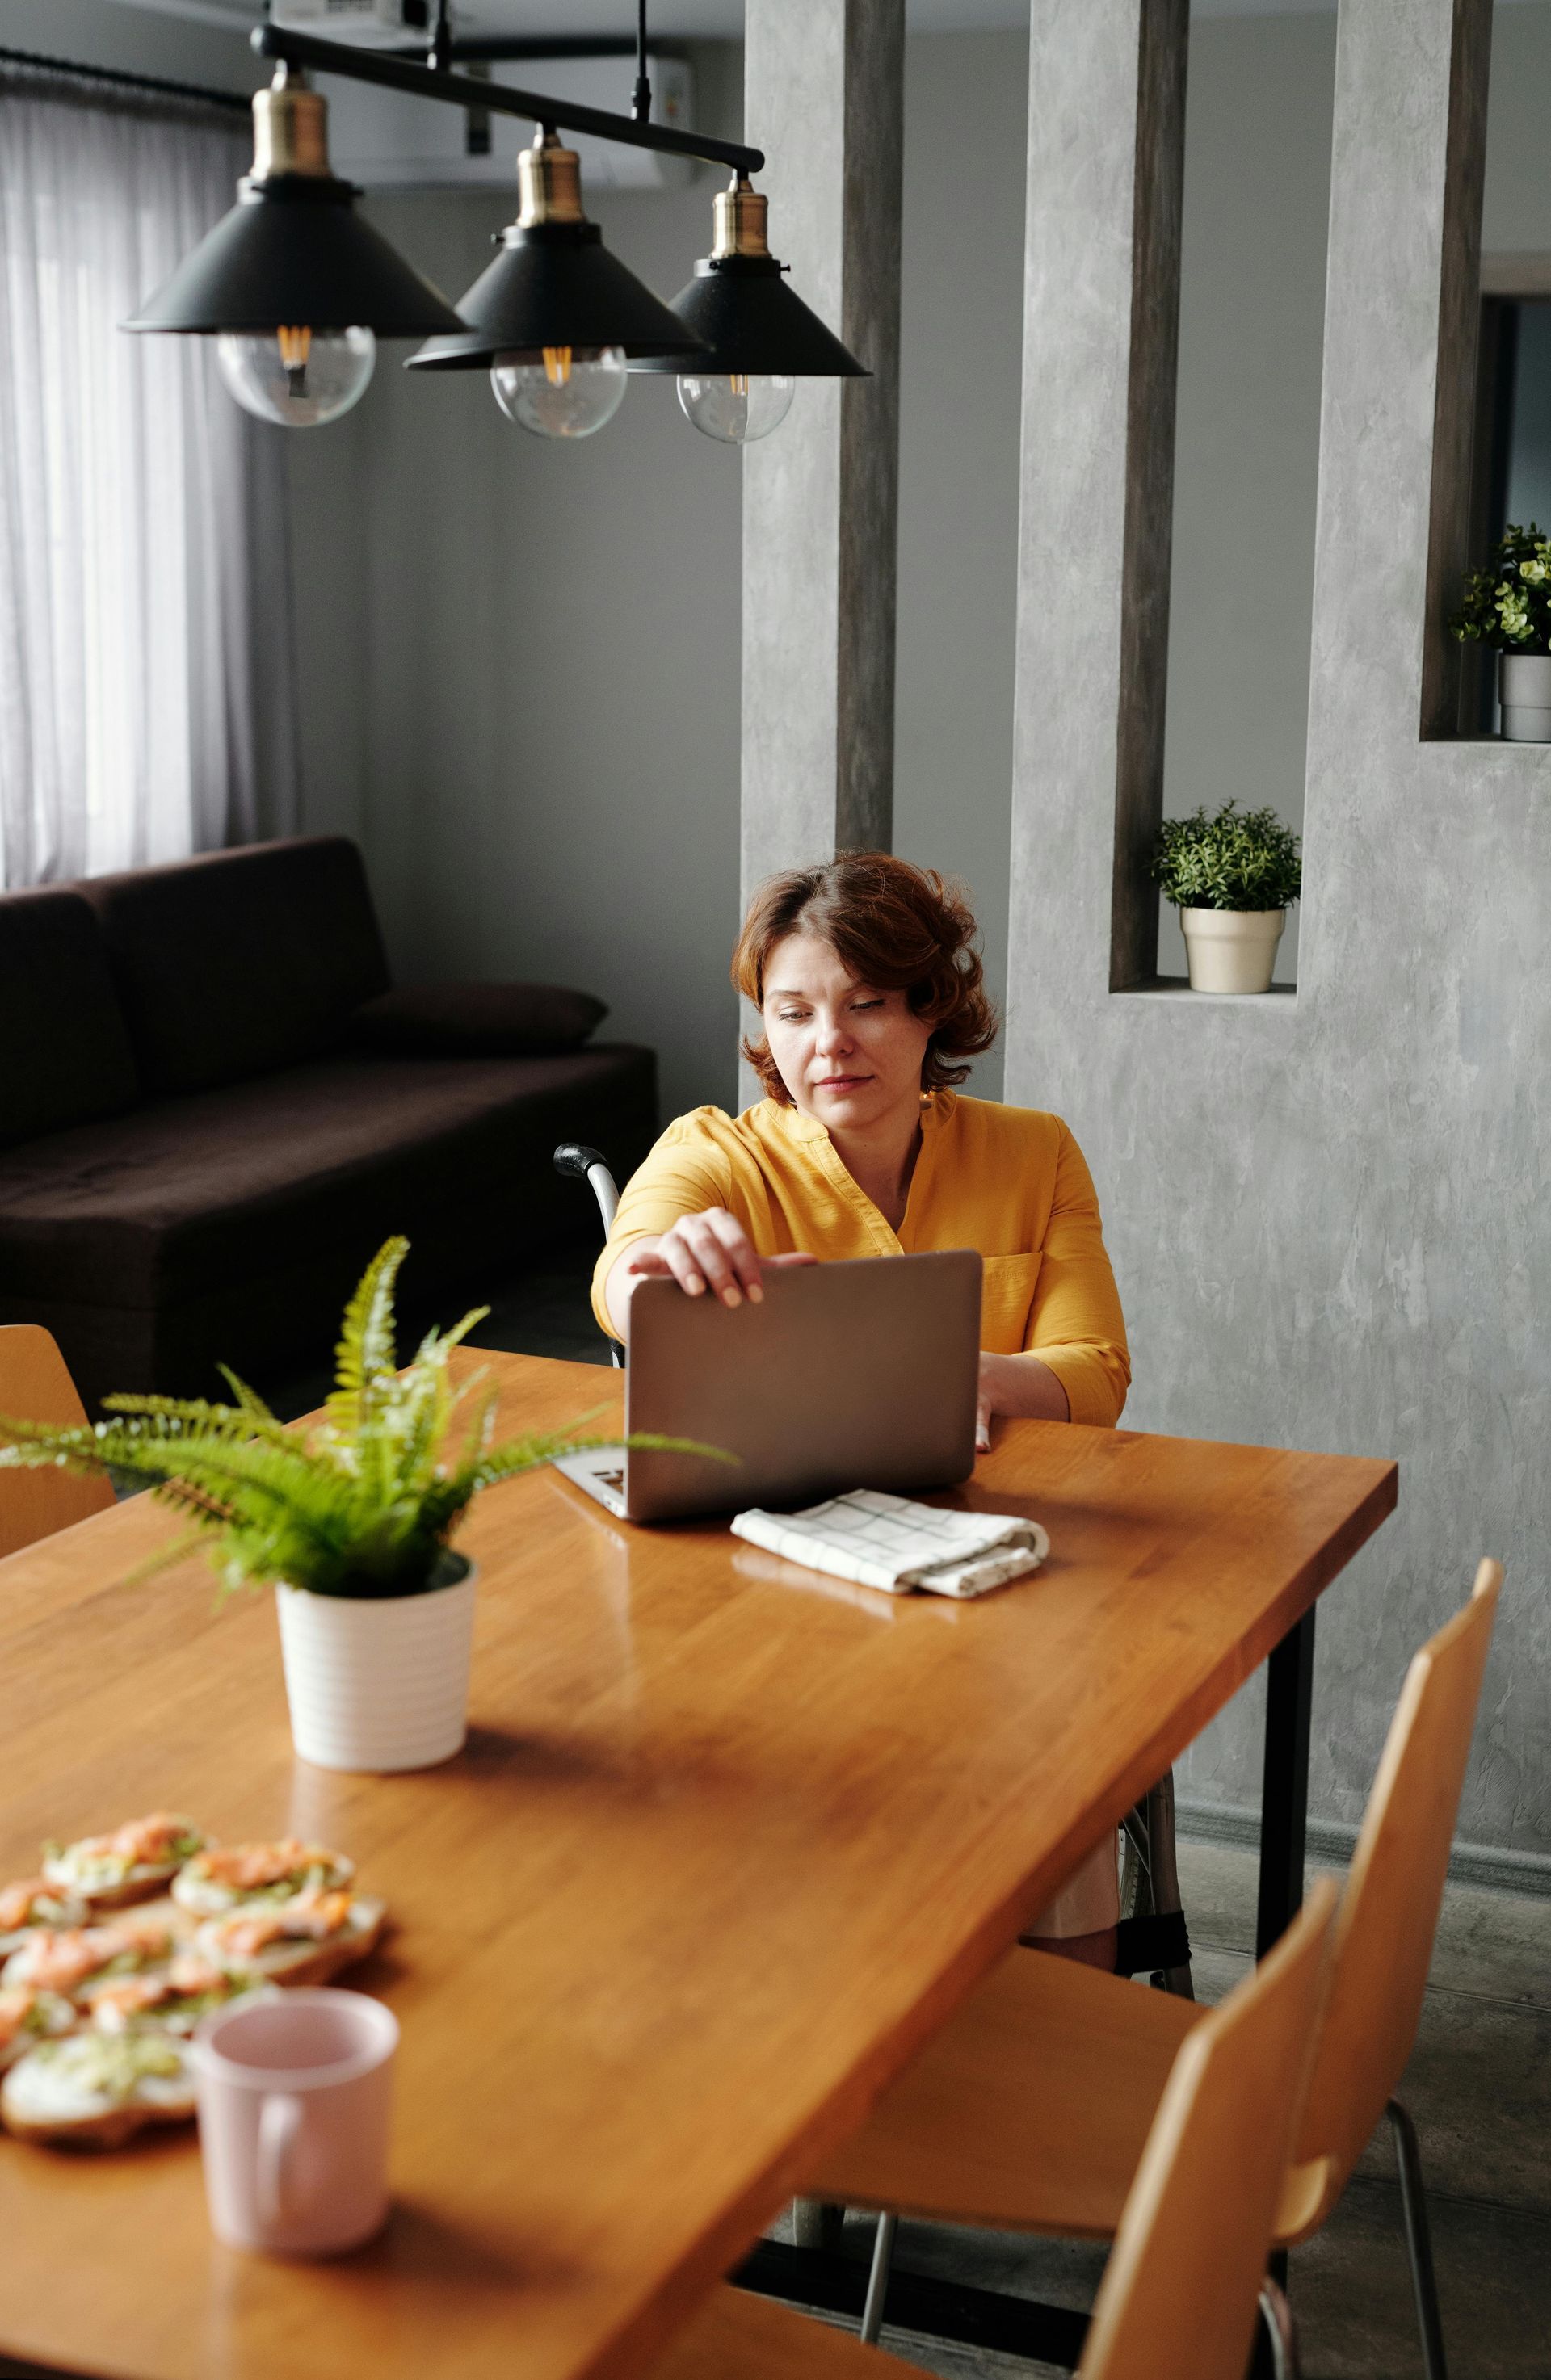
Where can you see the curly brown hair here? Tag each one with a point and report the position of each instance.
(898, 929)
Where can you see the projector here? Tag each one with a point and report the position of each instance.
(370, 22)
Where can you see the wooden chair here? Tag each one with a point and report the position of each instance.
(1179, 2294)
(1032, 2108)
(36, 1386)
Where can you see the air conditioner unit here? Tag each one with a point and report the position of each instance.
(392, 141)
(373, 23)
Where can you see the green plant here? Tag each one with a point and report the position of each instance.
(1508, 605)
(1239, 860)
(363, 1505)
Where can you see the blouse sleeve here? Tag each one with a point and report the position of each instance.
(683, 1173)
(1076, 1327)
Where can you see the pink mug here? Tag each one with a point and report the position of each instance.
(295, 2096)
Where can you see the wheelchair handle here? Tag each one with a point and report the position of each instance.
(584, 1164)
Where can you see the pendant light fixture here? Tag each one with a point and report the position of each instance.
(758, 337)
(555, 318)
(295, 288)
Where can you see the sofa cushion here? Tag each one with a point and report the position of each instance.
(242, 961)
(185, 1198)
(473, 1020)
(64, 1053)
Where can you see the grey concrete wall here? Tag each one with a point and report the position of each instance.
(1328, 1214)
(521, 667)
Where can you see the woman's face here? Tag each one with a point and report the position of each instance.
(849, 1054)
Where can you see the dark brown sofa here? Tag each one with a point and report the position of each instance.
(212, 1110)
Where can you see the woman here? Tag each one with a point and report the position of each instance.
(869, 989)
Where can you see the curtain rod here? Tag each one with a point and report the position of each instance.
(119, 78)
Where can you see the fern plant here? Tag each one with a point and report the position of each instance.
(1239, 860)
(363, 1505)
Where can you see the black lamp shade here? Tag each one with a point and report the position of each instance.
(748, 321)
(555, 285)
(294, 250)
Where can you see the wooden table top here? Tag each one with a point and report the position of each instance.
(728, 1842)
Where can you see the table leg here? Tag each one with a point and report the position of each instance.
(1284, 1805)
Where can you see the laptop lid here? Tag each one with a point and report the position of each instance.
(862, 1374)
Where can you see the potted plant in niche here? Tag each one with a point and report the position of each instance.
(1507, 607)
(1232, 879)
(350, 1521)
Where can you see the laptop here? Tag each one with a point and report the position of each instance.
(862, 1374)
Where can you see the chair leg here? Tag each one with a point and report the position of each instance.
(816, 2224)
(1275, 2316)
(1419, 2242)
(877, 2279)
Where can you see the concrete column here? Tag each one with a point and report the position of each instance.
(1107, 106)
(1326, 1211)
(825, 99)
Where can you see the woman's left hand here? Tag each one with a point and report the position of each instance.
(1017, 1384)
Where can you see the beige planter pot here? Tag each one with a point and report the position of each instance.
(378, 1685)
(1231, 950)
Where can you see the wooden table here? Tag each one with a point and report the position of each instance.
(728, 1842)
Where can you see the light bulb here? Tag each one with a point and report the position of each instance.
(736, 407)
(560, 392)
(296, 377)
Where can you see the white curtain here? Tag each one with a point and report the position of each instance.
(147, 695)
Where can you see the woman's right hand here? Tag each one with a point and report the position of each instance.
(710, 1251)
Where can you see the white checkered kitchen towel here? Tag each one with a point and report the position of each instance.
(890, 1542)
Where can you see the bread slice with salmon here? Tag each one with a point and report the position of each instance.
(95, 2090)
(219, 1878)
(73, 1960)
(137, 1860)
(305, 1940)
(28, 2017)
(33, 1905)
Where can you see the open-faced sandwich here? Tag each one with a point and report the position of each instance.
(28, 2017)
(174, 1998)
(76, 1960)
(92, 2089)
(304, 1940)
(215, 1880)
(34, 1901)
(131, 1864)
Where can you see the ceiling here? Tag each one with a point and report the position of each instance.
(687, 18)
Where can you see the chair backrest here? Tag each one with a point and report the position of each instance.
(1389, 1911)
(35, 1385)
(1179, 2292)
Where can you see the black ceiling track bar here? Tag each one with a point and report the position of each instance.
(497, 46)
(119, 78)
(496, 98)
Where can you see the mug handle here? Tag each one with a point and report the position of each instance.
(279, 2123)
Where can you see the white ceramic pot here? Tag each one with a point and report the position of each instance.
(1524, 691)
(1231, 950)
(378, 1683)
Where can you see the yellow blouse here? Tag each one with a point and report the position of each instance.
(1010, 1182)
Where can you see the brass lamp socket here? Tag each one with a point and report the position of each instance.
(549, 182)
(739, 213)
(290, 129)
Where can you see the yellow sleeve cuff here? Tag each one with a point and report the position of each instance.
(1096, 1379)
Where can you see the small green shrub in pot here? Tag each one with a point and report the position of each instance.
(1507, 607)
(351, 1520)
(1232, 876)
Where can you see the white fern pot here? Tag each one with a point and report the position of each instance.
(1231, 950)
(379, 1684)
(1524, 691)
